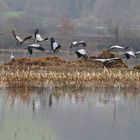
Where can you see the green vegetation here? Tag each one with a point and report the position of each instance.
(12, 14)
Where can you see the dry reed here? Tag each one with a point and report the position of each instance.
(104, 78)
(53, 71)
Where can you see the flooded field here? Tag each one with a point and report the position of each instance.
(66, 114)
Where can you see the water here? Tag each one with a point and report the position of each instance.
(70, 114)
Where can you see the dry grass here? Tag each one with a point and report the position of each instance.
(137, 67)
(44, 61)
(52, 71)
(55, 62)
(104, 78)
(106, 54)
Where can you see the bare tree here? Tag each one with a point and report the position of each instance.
(114, 29)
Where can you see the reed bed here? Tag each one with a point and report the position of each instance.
(53, 71)
(104, 78)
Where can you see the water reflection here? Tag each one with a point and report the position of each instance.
(60, 114)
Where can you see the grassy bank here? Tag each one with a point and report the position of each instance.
(54, 71)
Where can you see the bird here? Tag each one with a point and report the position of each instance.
(54, 45)
(34, 46)
(76, 43)
(38, 37)
(19, 40)
(50, 100)
(118, 47)
(129, 54)
(12, 57)
(109, 60)
(81, 53)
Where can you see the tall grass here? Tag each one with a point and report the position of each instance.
(104, 78)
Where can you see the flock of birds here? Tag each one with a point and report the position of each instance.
(37, 39)
(55, 47)
(127, 54)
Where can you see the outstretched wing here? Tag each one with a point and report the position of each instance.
(116, 47)
(110, 60)
(41, 48)
(57, 48)
(73, 44)
(100, 60)
(30, 50)
(36, 32)
(35, 45)
(129, 54)
(55, 45)
(19, 39)
(27, 38)
(14, 34)
(82, 43)
(37, 35)
(81, 53)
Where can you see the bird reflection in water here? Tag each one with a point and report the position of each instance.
(50, 100)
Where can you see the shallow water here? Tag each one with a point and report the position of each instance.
(70, 114)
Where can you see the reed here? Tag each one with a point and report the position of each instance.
(75, 78)
(52, 71)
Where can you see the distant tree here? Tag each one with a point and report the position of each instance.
(114, 29)
(67, 27)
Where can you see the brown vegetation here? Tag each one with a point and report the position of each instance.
(137, 67)
(104, 78)
(29, 73)
(106, 54)
(45, 62)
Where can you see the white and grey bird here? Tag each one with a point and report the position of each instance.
(54, 45)
(38, 37)
(12, 57)
(109, 60)
(129, 54)
(78, 43)
(118, 47)
(19, 40)
(82, 53)
(34, 46)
